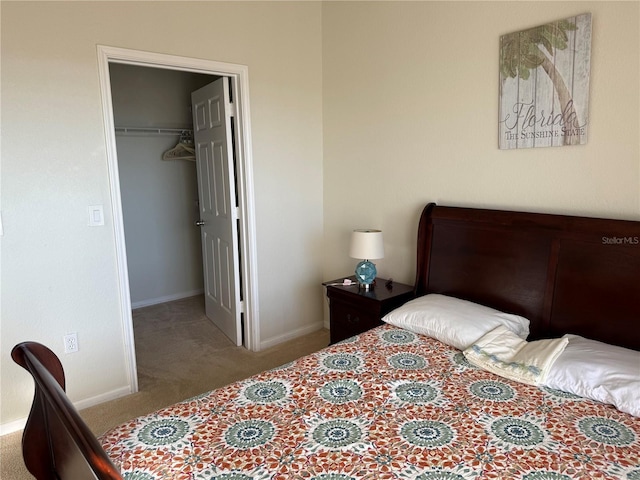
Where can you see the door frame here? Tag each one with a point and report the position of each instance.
(239, 78)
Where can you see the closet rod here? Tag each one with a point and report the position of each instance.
(152, 131)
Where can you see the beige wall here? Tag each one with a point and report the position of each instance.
(410, 116)
(58, 274)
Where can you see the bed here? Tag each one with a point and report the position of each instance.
(392, 403)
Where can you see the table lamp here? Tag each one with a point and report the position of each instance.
(366, 244)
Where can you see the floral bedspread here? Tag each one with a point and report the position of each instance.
(388, 404)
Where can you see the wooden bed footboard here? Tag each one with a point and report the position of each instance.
(56, 443)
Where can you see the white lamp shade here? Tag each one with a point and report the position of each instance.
(366, 244)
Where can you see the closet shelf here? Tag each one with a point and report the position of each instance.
(151, 131)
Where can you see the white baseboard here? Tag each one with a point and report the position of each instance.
(273, 341)
(102, 398)
(11, 427)
(167, 298)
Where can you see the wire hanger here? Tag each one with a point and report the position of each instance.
(184, 150)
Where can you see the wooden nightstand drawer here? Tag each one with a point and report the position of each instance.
(347, 320)
(354, 310)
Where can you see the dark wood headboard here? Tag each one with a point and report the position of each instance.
(565, 274)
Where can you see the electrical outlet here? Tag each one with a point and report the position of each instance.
(71, 343)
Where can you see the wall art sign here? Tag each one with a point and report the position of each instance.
(544, 85)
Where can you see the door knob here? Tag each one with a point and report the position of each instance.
(199, 223)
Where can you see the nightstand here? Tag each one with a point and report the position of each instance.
(354, 310)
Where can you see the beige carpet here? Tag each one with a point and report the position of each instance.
(179, 354)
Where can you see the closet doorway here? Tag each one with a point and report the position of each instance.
(159, 196)
(131, 78)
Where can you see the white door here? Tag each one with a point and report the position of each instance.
(212, 115)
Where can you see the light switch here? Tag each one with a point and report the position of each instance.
(96, 215)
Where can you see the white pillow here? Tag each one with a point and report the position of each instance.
(599, 371)
(456, 322)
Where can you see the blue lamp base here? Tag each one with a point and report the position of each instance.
(365, 273)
